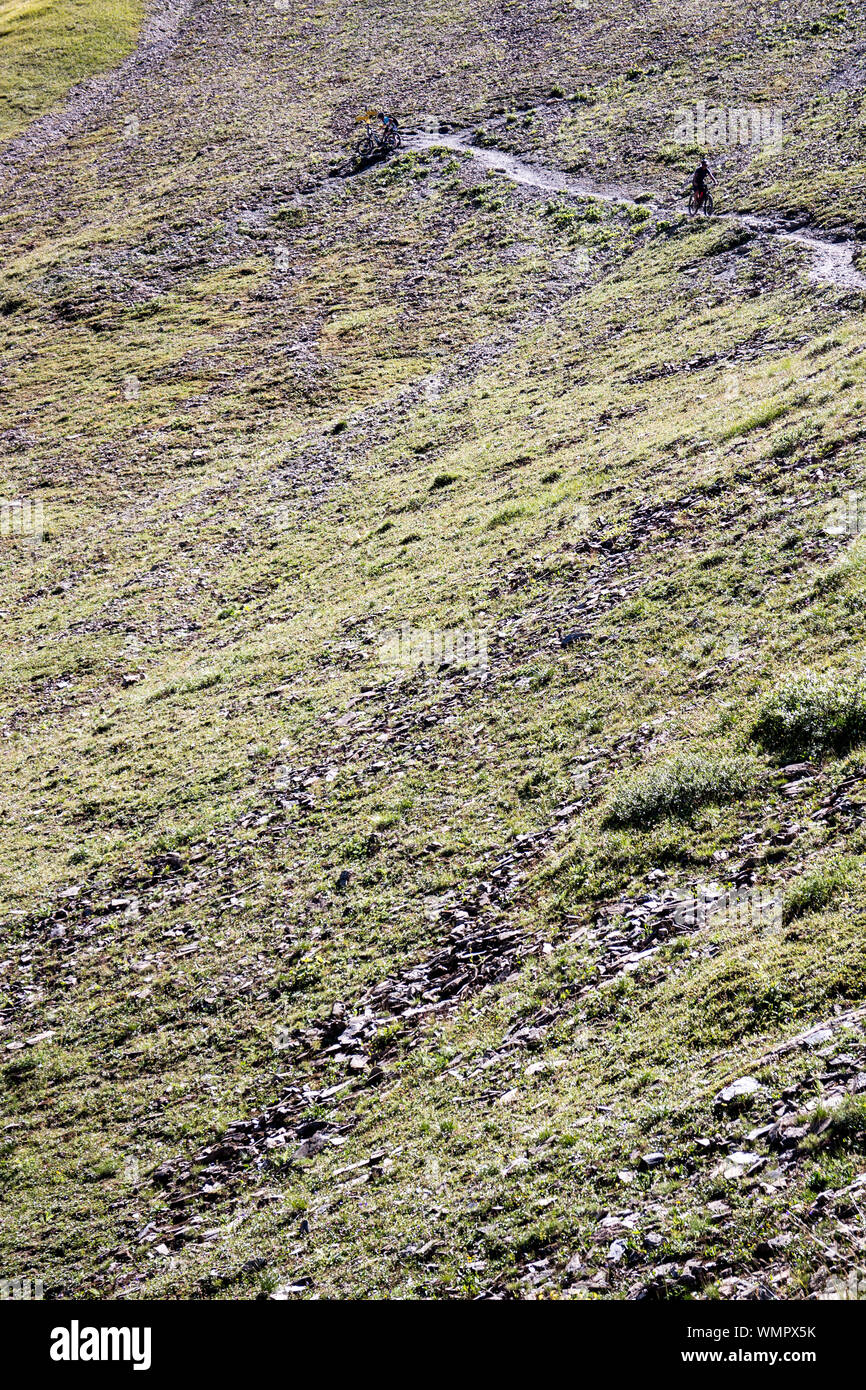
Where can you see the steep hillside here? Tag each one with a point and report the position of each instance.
(433, 710)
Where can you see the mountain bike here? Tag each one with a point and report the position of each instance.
(389, 140)
(701, 203)
(366, 149)
(368, 145)
(372, 145)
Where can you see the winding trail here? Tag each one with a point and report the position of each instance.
(832, 261)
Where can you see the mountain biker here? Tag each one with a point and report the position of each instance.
(389, 126)
(373, 144)
(699, 180)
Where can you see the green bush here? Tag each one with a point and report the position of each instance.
(679, 786)
(812, 714)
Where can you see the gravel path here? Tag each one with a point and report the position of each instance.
(832, 261)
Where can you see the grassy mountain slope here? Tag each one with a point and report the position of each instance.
(48, 45)
(337, 977)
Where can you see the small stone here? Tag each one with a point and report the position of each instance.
(649, 1161)
(309, 1147)
(694, 1276)
(738, 1163)
(817, 1038)
(737, 1090)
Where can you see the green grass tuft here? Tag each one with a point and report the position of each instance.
(842, 1129)
(818, 889)
(48, 45)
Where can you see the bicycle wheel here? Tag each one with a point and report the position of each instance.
(708, 205)
(366, 145)
(693, 206)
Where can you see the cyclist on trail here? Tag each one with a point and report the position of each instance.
(390, 136)
(699, 180)
(373, 144)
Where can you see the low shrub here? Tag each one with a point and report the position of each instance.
(812, 713)
(678, 787)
